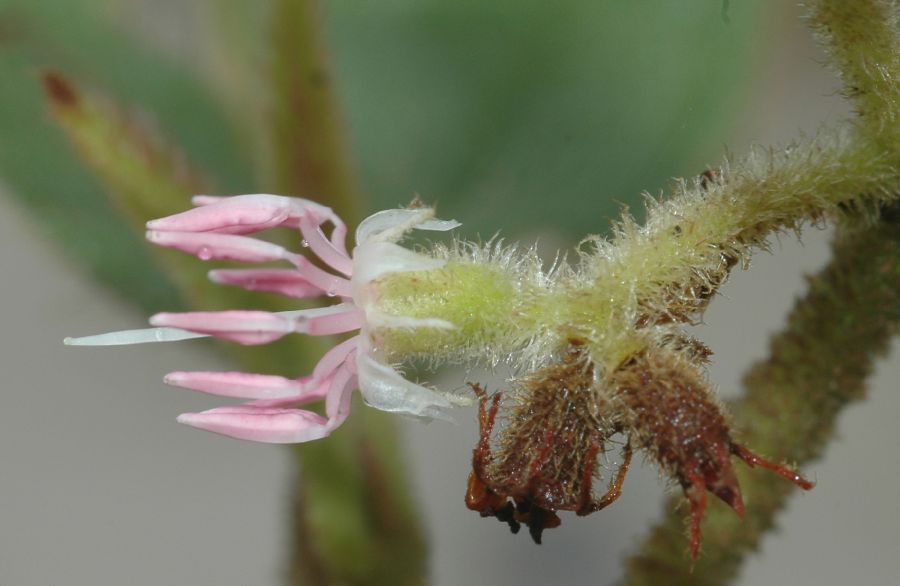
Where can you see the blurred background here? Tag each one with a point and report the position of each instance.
(538, 120)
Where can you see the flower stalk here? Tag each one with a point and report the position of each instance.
(625, 291)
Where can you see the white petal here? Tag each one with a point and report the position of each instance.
(391, 224)
(384, 388)
(378, 258)
(438, 225)
(379, 319)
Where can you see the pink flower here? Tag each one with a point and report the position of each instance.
(216, 230)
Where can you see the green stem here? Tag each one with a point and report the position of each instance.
(817, 365)
(863, 40)
(820, 362)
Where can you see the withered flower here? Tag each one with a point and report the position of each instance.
(546, 456)
(564, 415)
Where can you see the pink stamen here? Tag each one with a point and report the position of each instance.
(261, 424)
(243, 327)
(241, 385)
(233, 215)
(334, 358)
(250, 213)
(214, 246)
(339, 236)
(331, 284)
(289, 282)
(337, 401)
(311, 394)
(262, 327)
(337, 323)
(322, 247)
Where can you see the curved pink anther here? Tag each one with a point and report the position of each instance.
(316, 390)
(241, 385)
(289, 282)
(243, 214)
(333, 323)
(334, 358)
(337, 401)
(296, 209)
(215, 246)
(243, 327)
(331, 284)
(339, 236)
(310, 227)
(261, 424)
(317, 385)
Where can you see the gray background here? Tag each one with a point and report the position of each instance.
(99, 485)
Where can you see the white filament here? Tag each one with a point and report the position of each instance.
(126, 337)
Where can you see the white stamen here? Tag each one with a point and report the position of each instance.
(126, 337)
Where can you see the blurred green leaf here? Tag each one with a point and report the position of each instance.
(512, 116)
(148, 178)
(75, 37)
(145, 176)
(526, 115)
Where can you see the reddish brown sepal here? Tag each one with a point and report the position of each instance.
(670, 413)
(755, 460)
(547, 452)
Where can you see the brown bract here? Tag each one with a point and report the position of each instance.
(667, 408)
(546, 458)
(562, 418)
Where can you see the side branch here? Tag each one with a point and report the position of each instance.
(817, 365)
(862, 37)
(667, 270)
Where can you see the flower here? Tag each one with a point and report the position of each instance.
(216, 230)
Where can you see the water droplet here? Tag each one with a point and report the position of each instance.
(332, 288)
(204, 253)
(304, 243)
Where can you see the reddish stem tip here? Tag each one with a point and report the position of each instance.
(59, 89)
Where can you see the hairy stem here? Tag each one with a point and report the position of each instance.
(862, 38)
(817, 365)
(820, 362)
